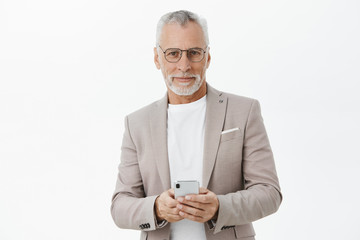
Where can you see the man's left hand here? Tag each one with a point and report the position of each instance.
(199, 207)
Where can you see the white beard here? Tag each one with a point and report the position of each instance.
(183, 90)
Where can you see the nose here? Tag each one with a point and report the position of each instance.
(184, 64)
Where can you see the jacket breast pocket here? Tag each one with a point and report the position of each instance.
(227, 136)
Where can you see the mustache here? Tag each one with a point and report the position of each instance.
(184, 75)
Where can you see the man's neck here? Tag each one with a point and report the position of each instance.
(176, 99)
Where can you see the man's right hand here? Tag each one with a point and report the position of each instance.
(165, 207)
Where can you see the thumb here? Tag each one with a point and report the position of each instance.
(171, 192)
(203, 190)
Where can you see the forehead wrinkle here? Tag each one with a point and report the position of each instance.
(183, 37)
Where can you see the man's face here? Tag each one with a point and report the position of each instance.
(183, 77)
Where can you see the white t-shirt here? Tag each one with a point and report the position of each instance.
(185, 139)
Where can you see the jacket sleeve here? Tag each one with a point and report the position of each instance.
(261, 195)
(130, 207)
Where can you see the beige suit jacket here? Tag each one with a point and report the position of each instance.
(238, 166)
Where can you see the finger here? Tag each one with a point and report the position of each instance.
(192, 217)
(191, 210)
(169, 202)
(202, 198)
(203, 190)
(171, 214)
(174, 211)
(198, 205)
(169, 206)
(174, 218)
(171, 192)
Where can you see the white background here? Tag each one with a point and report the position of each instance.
(71, 70)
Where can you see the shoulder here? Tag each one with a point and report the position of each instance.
(234, 100)
(145, 113)
(241, 106)
(238, 99)
(142, 113)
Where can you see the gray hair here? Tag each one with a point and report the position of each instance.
(181, 17)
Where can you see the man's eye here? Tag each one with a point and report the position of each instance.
(194, 52)
(173, 54)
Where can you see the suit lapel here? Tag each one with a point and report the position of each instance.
(215, 115)
(158, 126)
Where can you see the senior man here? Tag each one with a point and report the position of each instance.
(194, 132)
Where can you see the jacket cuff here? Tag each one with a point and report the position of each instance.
(161, 224)
(148, 222)
(222, 215)
(211, 224)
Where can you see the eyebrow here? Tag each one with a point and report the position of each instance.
(183, 49)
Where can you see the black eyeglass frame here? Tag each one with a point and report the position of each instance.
(181, 51)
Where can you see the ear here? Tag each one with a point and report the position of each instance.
(156, 58)
(208, 58)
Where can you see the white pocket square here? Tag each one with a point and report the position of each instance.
(230, 130)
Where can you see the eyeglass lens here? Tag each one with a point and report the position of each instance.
(193, 54)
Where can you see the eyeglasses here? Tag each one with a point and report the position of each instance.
(173, 55)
